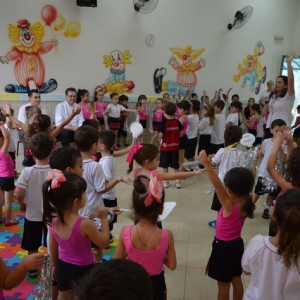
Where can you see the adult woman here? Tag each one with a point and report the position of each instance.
(282, 99)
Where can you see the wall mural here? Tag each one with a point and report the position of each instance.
(116, 82)
(28, 46)
(251, 70)
(186, 63)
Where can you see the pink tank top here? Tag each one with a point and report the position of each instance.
(157, 115)
(152, 261)
(185, 124)
(100, 108)
(229, 228)
(76, 250)
(85, 109)
(6, 165)
(143, 114)
(255, 124)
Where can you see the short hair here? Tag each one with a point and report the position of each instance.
(70, 89)
(33, 91)
(107, 137)
(64, 158)
(30, 111)
(142, 97)
(277, 122)
(235, 95)
(170, 108)
(220, 104)
(91, 122)
(236, 104)
(185, 105)
(195, 105)
(112, 95)
(232, 135)
(123, 97)
(40, 145)
(85, 137)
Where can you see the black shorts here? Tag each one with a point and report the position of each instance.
(34, 235)
(225, 259)
(216, 205)
(143, 123)
(156, 126)
(159, 287)
(214, 148)
(7, 183)
(68, 273)
(190, 148)
(260, 189)
(183, 142)
(169, 159)
(101, 121)
(258, 141)
(122, 132)
(111, 203)
(113, 123)
(204, 143)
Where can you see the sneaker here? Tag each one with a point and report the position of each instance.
(166, 184)
(212, 223)
(33, 273)
(178, 184)
(266, 214)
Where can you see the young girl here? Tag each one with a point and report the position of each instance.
(144, 242)
(205, 127)
(7, 176)
(225, 261)
(274, 262)
(142, 113)
(99, 106)
(114, 110)
(157, 119)
(70, 235)
(184, 107)
(83, 99)
(166, 99)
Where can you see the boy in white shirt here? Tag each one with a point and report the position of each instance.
(234, 114)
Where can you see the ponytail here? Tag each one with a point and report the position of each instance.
(248, 206)
(49, 210)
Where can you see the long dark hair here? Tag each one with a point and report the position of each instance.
(80, 94)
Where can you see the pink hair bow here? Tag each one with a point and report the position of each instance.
(57, 177)
(133, 152)
(155, 190)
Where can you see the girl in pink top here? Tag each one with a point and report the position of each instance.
(100, 106)
(225, 261)
(142, 113)
(70, 235)
(7, 177)
(86, 107)
(144, 242)
(157, 120)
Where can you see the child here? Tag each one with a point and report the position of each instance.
(206, 127)
(225, 261)
(170, 133)
(166, 99)
(217, 135)
(296, 133)
(70, 235)
(273, 262)
(224, 158)
(11, 279)
(157, 120)
(7, 176)
(83, 99)
(99, 106)
(142, 113)
(144, 242)
(234, 114)
(266, 147)
(192, 131)
(184, 107)
(30, 184)
(114, 110)
(254, 119)
(122, 132)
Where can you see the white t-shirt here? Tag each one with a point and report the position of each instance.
(12, 136)
(281, 108)
(95, 180)
(217, 135)
(260, 127)
(233, 118)
(115, 110)
(109, 168)
(22, 113)
(270, 278)
(192, 129)
(225, 159)
(32, 179)
(64, 110)
(204, 127)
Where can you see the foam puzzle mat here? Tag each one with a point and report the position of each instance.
(12, 254)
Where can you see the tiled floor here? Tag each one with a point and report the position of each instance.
(193, 238)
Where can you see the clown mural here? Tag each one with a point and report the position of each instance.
(251, 70)
(28, 48)
(116, 61)
(186, 62)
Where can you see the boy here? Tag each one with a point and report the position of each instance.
(234, 114)
(122, 132)
(30, 182)
(170, 134)
(265, 151)
(224, 158)
(217, 136)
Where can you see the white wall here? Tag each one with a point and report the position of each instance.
(175, 23)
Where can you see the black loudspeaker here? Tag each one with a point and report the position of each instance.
(87, 3)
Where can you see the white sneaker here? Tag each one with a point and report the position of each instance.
(166, 184)
(178, 184)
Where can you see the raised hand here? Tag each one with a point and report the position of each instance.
(290, 57)
(34, 261)
(76, 110)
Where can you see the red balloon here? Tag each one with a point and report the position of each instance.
(49, 14)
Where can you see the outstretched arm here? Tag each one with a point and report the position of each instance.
(179, 175)
(6, 138)
(6, 110)
(291, 87)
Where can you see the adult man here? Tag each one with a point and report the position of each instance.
(62, 111)
(34, 98)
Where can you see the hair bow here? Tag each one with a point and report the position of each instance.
(133, 152)
(57, 177)
(155, 190)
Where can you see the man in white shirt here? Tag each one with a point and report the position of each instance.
(62, 111)
(34, 98)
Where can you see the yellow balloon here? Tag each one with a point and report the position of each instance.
(59, 23)
(73, 30)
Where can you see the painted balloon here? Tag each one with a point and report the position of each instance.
(59, 23)
(49, 14)
(73, 30)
